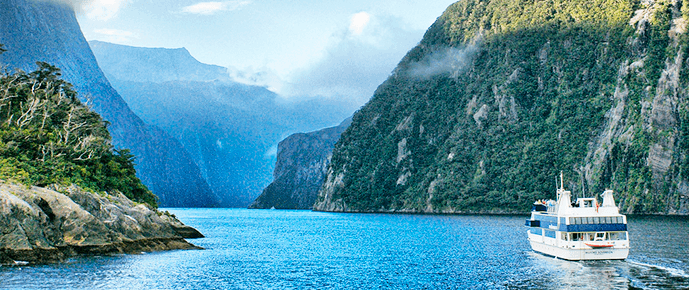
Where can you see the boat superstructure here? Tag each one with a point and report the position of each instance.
(584, 230)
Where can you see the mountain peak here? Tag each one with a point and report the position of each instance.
(146, 64)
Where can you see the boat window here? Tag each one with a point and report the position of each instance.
(589, 220)
(563, 236)
(536, 231)
(562, 221)
(576, 236)
(600, 236)
(589, 237)
(596, 220)
(608, 219)
(618, 236)
(550, 234)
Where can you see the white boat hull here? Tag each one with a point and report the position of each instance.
(581, 253)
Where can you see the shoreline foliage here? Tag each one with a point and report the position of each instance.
(48, 136)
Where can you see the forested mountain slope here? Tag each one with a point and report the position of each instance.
(501, 95)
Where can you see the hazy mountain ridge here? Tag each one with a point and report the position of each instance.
(594, 88)
(174, 65)
(48, 31)
(302, 162)
(230, 129)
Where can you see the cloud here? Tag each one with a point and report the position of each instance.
(210, 8)
(357, 60)
(102, 10)
(358, 22)
(115, 35)
(448, 60)
(264, 77)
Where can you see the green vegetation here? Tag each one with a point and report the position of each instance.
(47, 136)
(538, 96)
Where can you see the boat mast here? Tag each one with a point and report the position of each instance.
(562, 186)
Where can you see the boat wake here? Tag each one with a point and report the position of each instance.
(651, 276)
(671, 271)
(552, 273)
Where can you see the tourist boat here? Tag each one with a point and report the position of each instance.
(584, 230)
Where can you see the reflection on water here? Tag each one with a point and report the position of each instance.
(268, 249)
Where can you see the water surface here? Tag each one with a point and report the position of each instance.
(273, 249)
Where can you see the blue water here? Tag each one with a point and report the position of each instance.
(270, 249)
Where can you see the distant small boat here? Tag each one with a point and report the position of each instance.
(583, 230)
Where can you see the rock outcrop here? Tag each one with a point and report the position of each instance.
(302, 161)
(40, 225)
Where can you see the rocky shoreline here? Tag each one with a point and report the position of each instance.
(48, 225)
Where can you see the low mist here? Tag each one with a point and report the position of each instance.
(449, 60)
(93, 9)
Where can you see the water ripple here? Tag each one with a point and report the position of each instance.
(268, 249)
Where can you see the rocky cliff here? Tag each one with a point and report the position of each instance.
(230, 129)
(302, 161)
(40, 225)
(48, 31)
(501, 95)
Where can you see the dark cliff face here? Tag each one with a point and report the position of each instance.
(302, 161)
(230, 129)
(501, 95)
(45, 31)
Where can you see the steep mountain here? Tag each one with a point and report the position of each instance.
(501, 95)
(302, 162)
(48, 31)
(230, 129)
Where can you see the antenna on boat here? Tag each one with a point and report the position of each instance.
(562, 181)
(557, 191)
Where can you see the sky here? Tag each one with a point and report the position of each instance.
(297, 48)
